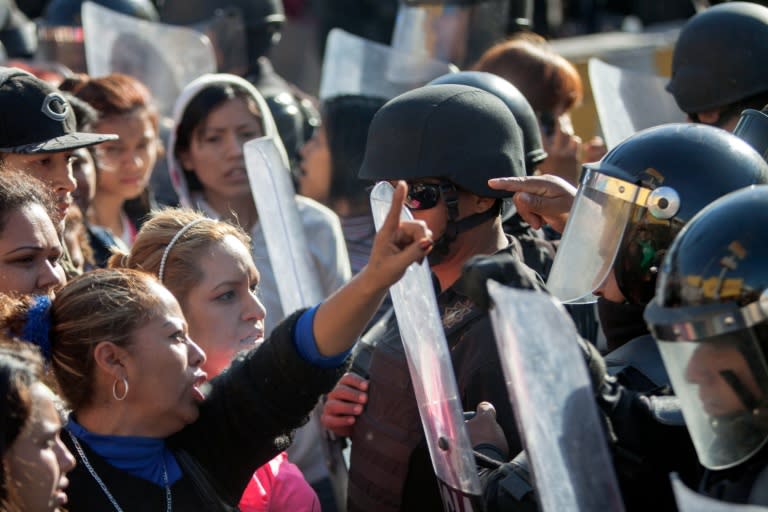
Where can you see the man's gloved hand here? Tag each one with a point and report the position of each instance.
(503, 267)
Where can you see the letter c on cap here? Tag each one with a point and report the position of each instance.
(55, 99)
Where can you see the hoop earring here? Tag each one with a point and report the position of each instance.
(114, 390)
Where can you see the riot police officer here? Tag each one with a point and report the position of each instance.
(538, 252)
(627, 211)
(718, 63)
(446, 141)
(710, 319)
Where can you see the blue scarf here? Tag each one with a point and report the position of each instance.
(139, 456)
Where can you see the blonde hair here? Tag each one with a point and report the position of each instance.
(181, 271)
(102, 305)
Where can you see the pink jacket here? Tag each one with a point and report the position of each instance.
(279, 486)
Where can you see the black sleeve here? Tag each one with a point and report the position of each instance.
(646, 448)
(251, 410)
(480, 377)
(506, 486)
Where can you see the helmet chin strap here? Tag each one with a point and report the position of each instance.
(453, 227)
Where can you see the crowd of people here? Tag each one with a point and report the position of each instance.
(148, 356)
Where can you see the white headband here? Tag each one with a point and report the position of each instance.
(170, 244)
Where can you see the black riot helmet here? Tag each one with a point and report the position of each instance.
(263, 19)
(515, 101)
(632, 203)
(60, 35)
(710, 319)
(719, 59)
(461, 135)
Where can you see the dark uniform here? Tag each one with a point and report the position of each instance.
(461, 136)
(390, 464)
(675, 171)
(709, 318)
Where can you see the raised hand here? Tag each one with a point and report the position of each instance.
(398, 243)
(342, 317)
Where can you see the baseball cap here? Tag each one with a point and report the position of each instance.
(36, 118)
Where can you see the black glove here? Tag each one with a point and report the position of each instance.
(503, 267)
(596, 368)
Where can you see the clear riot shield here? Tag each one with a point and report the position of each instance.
(554, 403)
(165, 58)
(432, 374)
(299, 286)
(629, 101)
(273, 193)
(690, 501)
(354, 65)
(226, 31)
(457, 31)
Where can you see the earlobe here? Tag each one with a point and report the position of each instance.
(186, 160)
(110, 358)
(483, 204)
(709, 117)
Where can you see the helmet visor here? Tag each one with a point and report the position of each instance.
(596, 224)
(719, 374)
(721, 384)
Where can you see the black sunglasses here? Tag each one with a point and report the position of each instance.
(422, 196)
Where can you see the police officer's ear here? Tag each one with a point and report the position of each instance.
(481, 204)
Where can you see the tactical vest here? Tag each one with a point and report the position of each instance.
(386, 433)
(389, 429)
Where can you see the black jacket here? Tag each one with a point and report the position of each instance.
(390, 467)
(246, 420)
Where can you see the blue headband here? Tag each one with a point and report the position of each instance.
(38, 325)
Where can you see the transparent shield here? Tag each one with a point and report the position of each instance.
(436, 31)
(273, 193)
(226, 31)
(554, 403)
(591, 238)
(690, 501)
(716, 383)
(357, 66)
(164, 57)
(430, 367)
(628, 101)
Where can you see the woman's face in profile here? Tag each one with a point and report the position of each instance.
(223, 309)
(163, 368)
(37, 462)
(30, 252)
(316, 167)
